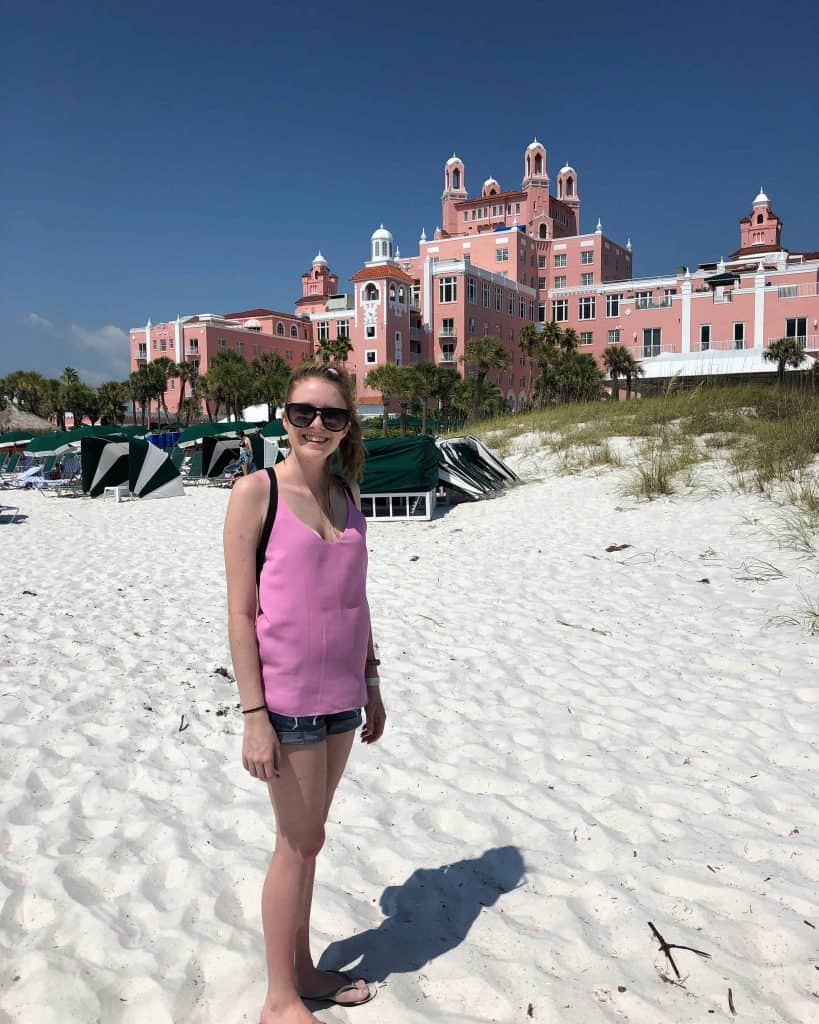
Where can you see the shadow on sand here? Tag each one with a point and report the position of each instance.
(428, 915)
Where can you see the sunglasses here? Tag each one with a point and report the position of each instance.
(301, 414)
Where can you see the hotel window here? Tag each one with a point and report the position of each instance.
(294, 331)
(448, 352)
(643, 300)
(613, 305)
(669, 294)
(502, 255)
(448, 327)
(193, 344)
(560, 281)
(560, 259)
(448, 289)
(787, 291)
(472, 289)
(652, 341)
(705, 337)
(587, 256)
(466, 214)
(288, 355)
(498, 299)
(541, 282)
(153, 343)
(517, 207)
(523, 382)
(369, 331)
(370, 356)
(739, 335)
(614, 336)
(585, 307)
(221, 343)
(322, 330)
(472, 325)
(586, 337)
(560, 310)
(797, 327)
(416, 295)
(541, 262)
(586, 279)
(163, 345)
(399, 349)
(474, 214)
(343, 329)
(485, 295)
(522, 309)
(280, 329)
(370, 293)
(541, 312)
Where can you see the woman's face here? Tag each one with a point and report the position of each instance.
(315, 441)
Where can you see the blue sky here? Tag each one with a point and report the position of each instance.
(168, 158)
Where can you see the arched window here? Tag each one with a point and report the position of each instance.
(392, 293)
(294, 331)
(544, 230)
(759, 218)
(401, 294)
(560, 189)
(280, 328)
(570, 186)
(456, 178)
(539, 163)
(370, 293)
(528, 164)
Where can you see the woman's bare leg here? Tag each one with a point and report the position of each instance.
(309, 980)
(299, 801)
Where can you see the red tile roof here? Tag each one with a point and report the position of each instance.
(756, 250)
(381, 272)
(255, 312)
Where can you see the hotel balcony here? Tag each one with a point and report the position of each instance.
(721, 345)
(805, 341)
(448, 332)
(651, 303)
(447, 357)
(797, 291)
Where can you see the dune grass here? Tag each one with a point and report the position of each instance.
(767, 437)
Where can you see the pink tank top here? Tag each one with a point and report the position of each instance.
(314, 621)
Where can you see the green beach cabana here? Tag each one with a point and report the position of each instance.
(15, 438)
(151, 474)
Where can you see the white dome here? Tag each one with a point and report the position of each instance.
(319, 261)
(761, 198)
(490, 181)
(534, 144)
(453, 160)
(381, 234)
(566, 168)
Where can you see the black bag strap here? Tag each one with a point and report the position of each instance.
(346, 486)
(269, 519)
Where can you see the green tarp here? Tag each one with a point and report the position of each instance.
(15, 437)
(275, 428)
(201, 430)
(396, 464)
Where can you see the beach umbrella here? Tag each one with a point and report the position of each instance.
(12, 438)
(55, 443)
(275, 428)
(151, 474)
(104, 463)
(217, 454)
(190, 435)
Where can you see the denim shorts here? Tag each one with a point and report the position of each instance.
(313, 728)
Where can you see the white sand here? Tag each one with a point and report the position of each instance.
(579, 742)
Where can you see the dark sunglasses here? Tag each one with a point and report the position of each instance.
(301, 414)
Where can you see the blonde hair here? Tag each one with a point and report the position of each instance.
(351, 450)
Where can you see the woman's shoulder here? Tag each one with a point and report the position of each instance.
(251, 489)
(351, 487)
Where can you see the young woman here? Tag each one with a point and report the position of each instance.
(304, 661)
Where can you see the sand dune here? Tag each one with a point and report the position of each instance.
(579, 742)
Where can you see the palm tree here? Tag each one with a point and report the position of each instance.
(232, 379)
(615, 358)
(336, 349)
(271, 374)
(184, 373)
(446, 377)
(631, 368)
(484, 354)
(112, 396)
(409, 391)
(386, 380)
(138, 392)
(579, 378)
(784, 352)
(427, 384)
(160, 370)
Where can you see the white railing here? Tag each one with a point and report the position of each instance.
(807, 341)
(725, 297)
(641, 351)
(445, 357)
(448, 332)
(797, 291)
(721, 345)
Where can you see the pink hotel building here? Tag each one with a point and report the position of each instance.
(505, 259)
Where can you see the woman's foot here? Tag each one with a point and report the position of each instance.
(289, 1013)
(316, 984)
